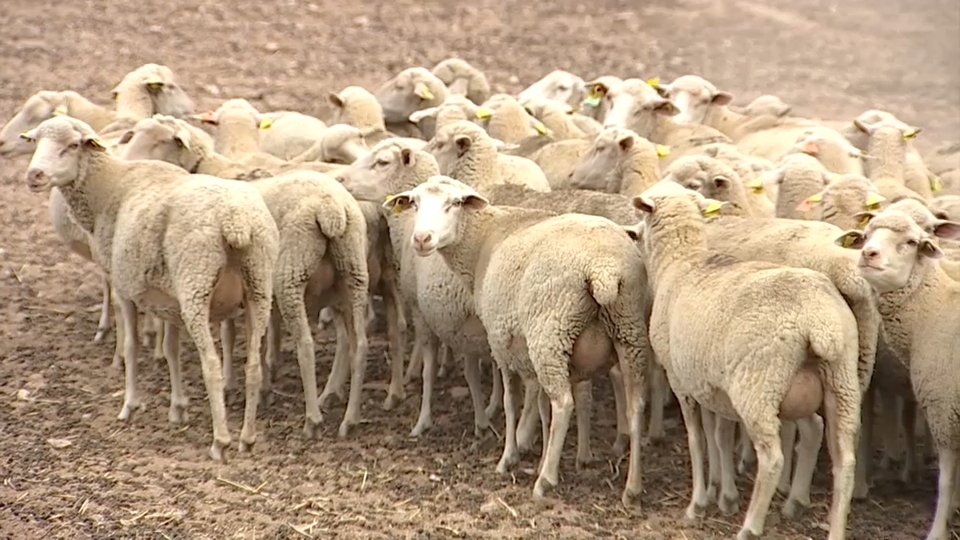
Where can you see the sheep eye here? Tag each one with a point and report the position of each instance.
(381, 162)
(73, 146)
(912, 242)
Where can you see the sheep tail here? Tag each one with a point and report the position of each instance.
(604, 284)
(235, 226)
(332, 219)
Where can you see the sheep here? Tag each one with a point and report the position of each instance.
(842, 200)
(917, 177)
(594, 304)
(918, 305)
(593, 104)
(465, 151)
(454, 108)
(556, 117)
(702, 103)
(187, 248)
(339, 143)
(748, 167)
(558, 159)
(619, 161)
(797, 176)
(716, 180)
(411, 90)
(557, 85)
(507, 120)
(462, 78)
(832, 150)
(286, 134)
(638, 106)
(322, 261)
(887, 149)
(815, 352)
(46, 104)
(356, 106)
(149, 89)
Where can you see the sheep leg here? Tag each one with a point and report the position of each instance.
(356, 330)
(630, 362)
(543, 406)
(511, 454)
(121, 333)
(228, 333)
(527, 427)
(811, 437)
(159, 333)
(748, 457)
(443, 360)
(841, 406)
(623, 425)
(396, 392)
(556, 384)
(415, 364)
(583, 406)
(258, 306)
(709, 421)
(890, 418)
(496, 392)
(293, 310)
(690, 410)
(763, 427)
(271, 360)
(339, 369)
(788, 438)
(658, 401)
(195, 313)
(729, 499)
(131, 397)
(326, 317)
(909, 423)
(861, 485)
(471, 372)
(429, 348)
(946, 492)
(171, 349)
(103, 326)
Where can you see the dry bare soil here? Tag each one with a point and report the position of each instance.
(147, 479)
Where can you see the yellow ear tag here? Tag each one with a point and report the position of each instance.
(815, 198)
(935, 184)
(711, 209)
(396, 209)
(483, 113)
(423, 92)
(60, 111)
(873, 201)
(592, 100)
(541, 129)
(909, 134)
(756, 186)
(862, 224)
(847, 241)
(654, 81)
(265, 123)
(662, 151)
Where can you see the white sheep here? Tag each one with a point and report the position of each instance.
(411, 90)
(463, 79)
(831, 149)
(918, 305)
(887, 151)
(557, 85)
(322, 261)
(716, 180)
(804, 363)
(287, 134)
(506, 119)
(943, 162)
(453, 109)
(590, 310)
(593, 104)
(190, 249)
(357, 107)
(618, 161)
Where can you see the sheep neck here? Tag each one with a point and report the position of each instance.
(636, 172)
(237, 137)
(93, 115)
(477, 168)
(216, 164)
(888, 155)
(926, 288)
(366, 116)
(724, 120)
(133, 101)
(794, 189)
(674, 240)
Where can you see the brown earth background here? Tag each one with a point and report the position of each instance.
(148, 479)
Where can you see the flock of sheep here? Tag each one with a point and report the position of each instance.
(784, 274)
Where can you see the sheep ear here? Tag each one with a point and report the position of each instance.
(93, 143)
(475, 203)
(206, 117)
(666, 107)
(29, 136)
(862, 126)
(721, 98)
(398, 203)
(125, 138)
(929, 248)
(483, 113)
(851, 240)
(949, 230)
(422, 91)
(911, 133)
(182, 138)
(635, 232)
(662, 89)
(644, 204)
(335, 100)
(463, 143)
(625, 142)
(863, 218)
(721, 182)
(417, 116)
(406, 157)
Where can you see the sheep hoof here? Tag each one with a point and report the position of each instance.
(344, 428)
(656, 436)
(746, 534)
(267, 397)
(246, 447)
(392, 401)
(422, 425)
(584, 461)
(101, 332)
(542, 487)
(860, 491)
(311, 427)
(325, 397)
(694, 513)
(783, 488)
(177, 414)
(216, 450)
(621, 444)
(491, 410)
(728, 505)
(128, 408)
(711, 493)
(506, 463)
(442, 372)
(117, 362)
(630, 498)
(480, 428)
(794, 507)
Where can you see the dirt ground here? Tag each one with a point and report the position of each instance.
(147, 479)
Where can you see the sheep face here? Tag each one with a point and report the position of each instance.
(892, 245)
(606, 154)
(946, 207)
(453, 142)
(708, 176)
(58, 159)
(36, 109)
(151, 139)
(409, 91)
(366, 179)
(557, 85)
(439, 203)
(343, 144)
(693, 97)
(634, 105)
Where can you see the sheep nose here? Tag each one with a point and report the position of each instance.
(421, 239)
(871, 253)
(339, 179)
(36, 179)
